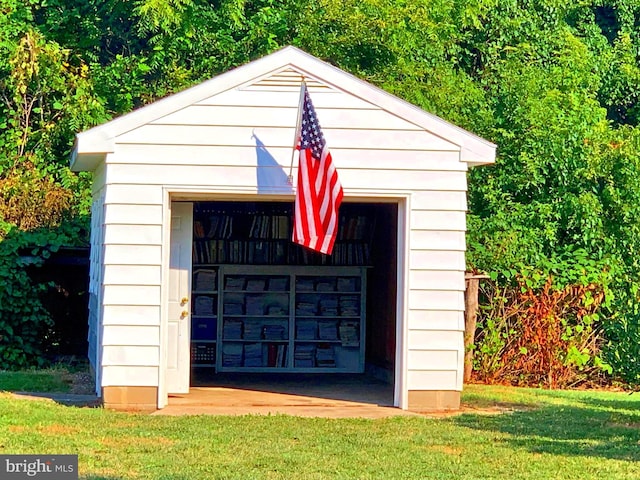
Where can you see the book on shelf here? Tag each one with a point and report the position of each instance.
(329, 306)
(306, 308)
(304, 284)
(272, 354)
(252, 329)
(198, 229)
(256, 284)
(349, 305)
(306, 329)
(327, 330)
(326, 285)
(325, 356)
(304, 355)
(276, 355)
(232, 355)
(204, 280)
(278, 284)
(204, 305)
(234, 283)
(281, 358)
(255, 305)
(346, 284)
(232, 329)
(252, 355)
(349, 334)
(273, 332)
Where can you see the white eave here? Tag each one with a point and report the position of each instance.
(92, 146)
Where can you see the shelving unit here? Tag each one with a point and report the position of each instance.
(235, 233)
(291, 319)
(264, 304)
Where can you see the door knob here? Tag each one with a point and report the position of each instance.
(184, 314)
(184, 301)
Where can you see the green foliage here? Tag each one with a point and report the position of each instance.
(554, 84)
(24, 323)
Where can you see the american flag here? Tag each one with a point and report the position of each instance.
(319, 192)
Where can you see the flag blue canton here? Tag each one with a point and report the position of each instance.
(311, 136)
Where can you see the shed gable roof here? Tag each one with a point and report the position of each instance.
(279, 72)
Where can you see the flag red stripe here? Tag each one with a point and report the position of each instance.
(319, 192)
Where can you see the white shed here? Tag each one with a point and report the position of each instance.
(191, 266)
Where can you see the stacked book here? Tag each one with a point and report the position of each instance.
(256, 284)
(232, 355)
(253, 355)
(278, 284)
(349, 305)
(327, 330)
(303, 356)
(252, 330)
(306, 330)
(232, 308)
(255, 305)
(276, 309)
(205, 280)
(304, 284)
(329, 306)
(346, 284)
(325, 286)
(232, 330)
(325, 356)
(203, 305)
(349, 334)
(234, 283)
(273, 332)
(307, 309)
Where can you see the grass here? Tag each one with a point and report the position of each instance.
(50, 380)
(540, 435)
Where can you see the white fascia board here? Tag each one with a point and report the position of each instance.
(100, 139)
(474, 149)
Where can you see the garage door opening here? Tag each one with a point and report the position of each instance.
(270, 316)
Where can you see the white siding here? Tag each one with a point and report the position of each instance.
(135, 335)
(132, 315)
(122, 274)
(131, 355)
(130, 376)
(212, 147)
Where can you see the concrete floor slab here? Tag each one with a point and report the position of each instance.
(330, 396)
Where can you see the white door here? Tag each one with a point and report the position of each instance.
(179, 318)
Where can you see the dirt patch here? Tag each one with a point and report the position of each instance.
(632, 425)
(81, 383)
(136, 441)
(494, 409)
(57, 429)
(446, 449)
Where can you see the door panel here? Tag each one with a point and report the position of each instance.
(179, 313)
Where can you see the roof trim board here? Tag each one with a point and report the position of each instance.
(92, 145)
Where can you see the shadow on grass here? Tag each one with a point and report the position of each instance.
(593, 428)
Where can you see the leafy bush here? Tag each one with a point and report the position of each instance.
(541, 328)
(24, 323)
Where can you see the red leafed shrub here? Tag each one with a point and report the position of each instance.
(546, 336)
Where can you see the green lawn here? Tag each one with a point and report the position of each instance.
(542, 435)
(50, 380)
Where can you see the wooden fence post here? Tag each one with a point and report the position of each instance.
(472, 283)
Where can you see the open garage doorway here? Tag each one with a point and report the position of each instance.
(322, 353)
